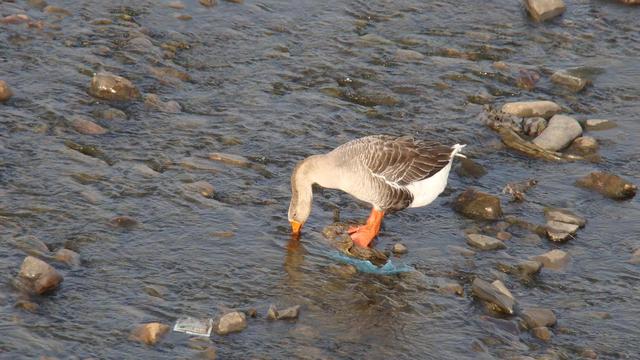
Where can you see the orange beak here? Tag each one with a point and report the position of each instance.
(295, 227)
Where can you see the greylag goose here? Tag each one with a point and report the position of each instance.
(391, 173)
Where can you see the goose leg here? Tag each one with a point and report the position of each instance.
(364, 234)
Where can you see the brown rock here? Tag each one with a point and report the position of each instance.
(208, 3)
(569, 80)
(5, 91)
(478, 205)
(503, 235)
(529, 267)
(542, 10)
(544, 109)
(108, 86)
(176, 5)
(584, 145)
(289, 313)
(542, 333)
(202, 187)
(470, 168)
(599, 124)
(123, 222)
(484, 242)
(403, 55)
(630, 2)
(538, 317)
(272, 313)
(399, 249)
(609, 185)
(68, 257)
(149, 333)
(15, 19)
(85, 126)
(50, 9)
(590, 353)
(43, 277)
(451, 288)
(231, 322)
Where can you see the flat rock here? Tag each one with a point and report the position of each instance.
(541, 10)
(568, 80)
(68, 257)
(202, 187)
(503, 289)
(451, 288)
(562, 226)
(230, 159)
(554, 259)
(599, 124)
(5, 91)
(149, 333)
(529, 267)
(232, 322)
(111, 114)
(536, 317)
(42, 276)
(198, 164)
(403, 55)
(399, 249)
(85, 126)
(461, 250)
(108, 86)
(559, 133)
(478, 205)
(489, 293)
(289, 313)
(609, 185)
(542, 333)
(544, 109)
(564, 215)
(484, 242)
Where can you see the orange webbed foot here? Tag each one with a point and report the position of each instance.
(363, 236)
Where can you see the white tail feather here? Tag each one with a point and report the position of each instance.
(457, 148)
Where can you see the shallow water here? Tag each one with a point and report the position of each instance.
(262, 75)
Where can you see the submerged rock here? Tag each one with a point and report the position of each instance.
(123, 222)
(478, 205)
(153, 102)
(41, 277)
(584, 145)
(470, 168)
(451, 288)
(407, 55)
(108, 86)
(202, 187)
(536, 317)
(5, 91)
(491, 294)
(517, 189)
(559, 133)
(289, 313)
(484, 242)
(231, 322)
(565, 216)
(85, 126)
(399, 249)
(542, 333)
(529, 267)
(208, 3)
(149, 333)
(68, 257)
(554, 259)
(542, 10)
(545, 109)
(609, 185)
(568, 80)
(599, 124)
(230, 159)
(31, 245)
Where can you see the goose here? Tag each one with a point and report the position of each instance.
(390, 173)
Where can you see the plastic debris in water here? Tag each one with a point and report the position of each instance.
(366, 266)
(193, 326)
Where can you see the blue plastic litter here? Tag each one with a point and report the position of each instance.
(366, 266)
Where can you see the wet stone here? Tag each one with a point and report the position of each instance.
(559, 231)
(30, 245)
(272, 313)
(565, 216)
(373, 39)
(460, 250)
(403, 55)
(542, 333)
(202, 187)
(470, 168)
(568, 80)
(590, 353)
(559, 133)
(502, 288)
(85, 126)
(541, 10)
(123, 222)
(208, 3)
(50, 9)
(5, 91)
(111, 114)
(451, 288)
(609, 185)
(108, 86)
(69, 257)
(230, 159)
(290, 313)
(153, 102)
(554, 259)
(231, 322)
(503, 235)
(534, 126)
(599, 124)
(484, 242)
(529, 267)
(584, 145)
(42, 277)
(149, 333)
(492, 295)
(399, 249)
(544, 109)
(538, 317)
(26, 305)
(176, 5)
(478, 205)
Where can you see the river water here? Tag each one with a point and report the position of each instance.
(262, 83)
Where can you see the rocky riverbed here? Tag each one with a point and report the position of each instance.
(146, 149)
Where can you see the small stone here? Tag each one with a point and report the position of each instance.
(111, 114)
(568, 80)
(559, 133)
(85, 126)
(251, 312)
(460, 250)
(478, 205)
(184, 17)
(153, 101)
(544, 109)
(399, 249)
(14, 19)
(529, 267)
(149, 333)
(26, 305)
(534, 126)
(155, 290)
(68, 257)
(451, 288)
(231, 322)
(50, 9)
(599, 124)
(202, 187)
(600, 315)
(554, 259)
(584, 145)
(558, 236)
(538, 317)
(123, 222)
(5, 91)
(543, 333)
(176, 5)
(230, 159)
(470, 168)
(289, 313)
(272, 313)
(373, 39)
(489, 293)
(208, 3)
(484, 242)
(108, 86)
(609, 185)
(502, 288)
(590, 353)
(503, 235)
(542, 10)
(43, 277)
(403, 55)
(558, 226)
(565, 216)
